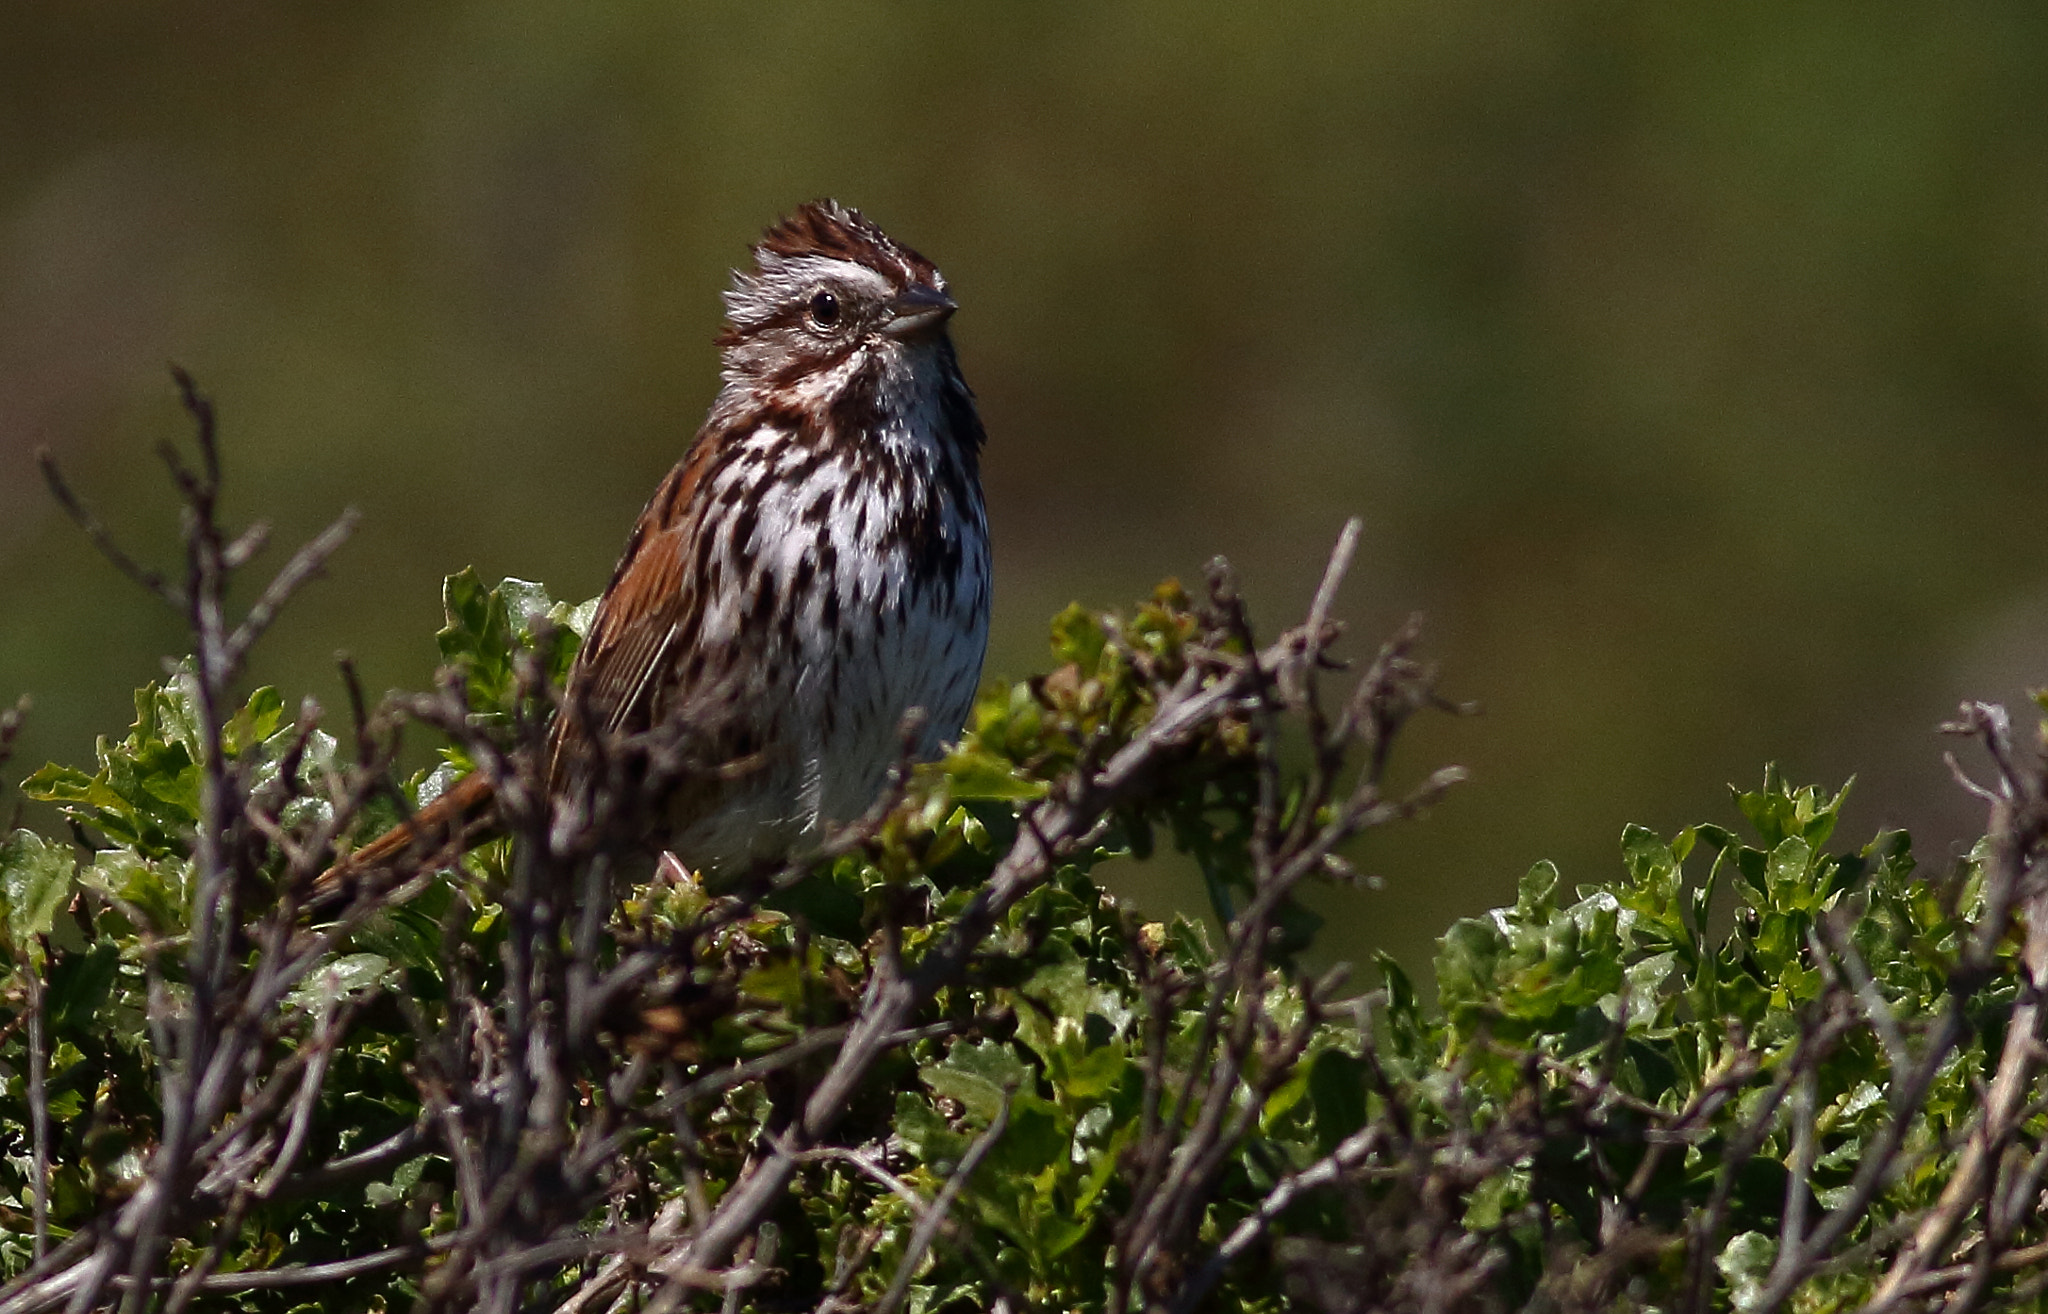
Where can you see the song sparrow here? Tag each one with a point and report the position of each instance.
(814, 568)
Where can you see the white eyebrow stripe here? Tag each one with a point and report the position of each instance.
(755, 298)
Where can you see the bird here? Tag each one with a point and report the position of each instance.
(811, 580)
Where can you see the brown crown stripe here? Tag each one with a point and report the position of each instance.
(828, 228)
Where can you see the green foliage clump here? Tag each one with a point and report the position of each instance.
(1637, 1094)
(1631, 1000)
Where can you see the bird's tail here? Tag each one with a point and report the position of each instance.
(462, 817)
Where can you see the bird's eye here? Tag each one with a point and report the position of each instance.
(824, 310)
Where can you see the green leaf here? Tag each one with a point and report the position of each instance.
(35, 881)
(170, 711)
(577, 619)
(1336, 1089)
(403, 1180)
(1645, 990)
(346, 977)
(1400, 989)
(977, 1074)
(52, 783)
(487, 628)
(1746, 1263)
(1092, 1075)
(477, 639)
(828, 902)
(1650, 863)
(1778, 812)
(1078, 637)
(1536, 893)
(1032, 1141)
(1466, 958)
(145, 794)
(524, 601)
(79, 985)
(154, 888)
(1490, 1201)
(972, 772)
(254, 722)
(925, 1134)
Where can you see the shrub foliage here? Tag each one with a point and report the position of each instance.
(937, 1066)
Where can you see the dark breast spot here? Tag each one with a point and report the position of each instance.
(744, 521)
(762, 609)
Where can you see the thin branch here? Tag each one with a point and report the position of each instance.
(305, 564)
(103, 538)
(933, 1218)
(38, 1103)
(310, 1275)
(1353, 1151)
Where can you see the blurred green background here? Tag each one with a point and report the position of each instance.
(1686, 362)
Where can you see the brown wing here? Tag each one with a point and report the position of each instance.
(612, 683)
(643, 614)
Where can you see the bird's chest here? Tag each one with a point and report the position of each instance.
(863, 583)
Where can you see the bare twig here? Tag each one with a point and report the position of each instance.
(932, 1218)
(305, 565)
(103, 538)
(2018, 823)
(38, 1103)
(1352, 1152)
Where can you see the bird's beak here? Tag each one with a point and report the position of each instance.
(919, 310)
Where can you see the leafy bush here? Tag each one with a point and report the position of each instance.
(938, 1066)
